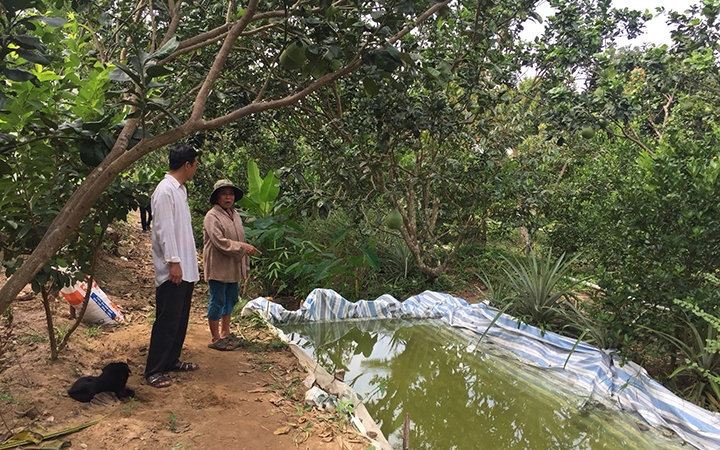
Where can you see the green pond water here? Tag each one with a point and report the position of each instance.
(465, 400)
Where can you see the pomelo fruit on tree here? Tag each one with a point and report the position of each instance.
(293, 57)
(587, 132)
(394, 220)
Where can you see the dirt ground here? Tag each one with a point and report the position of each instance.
(250, 398)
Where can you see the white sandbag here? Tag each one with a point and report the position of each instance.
(100, 310)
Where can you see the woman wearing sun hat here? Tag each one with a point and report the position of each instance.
(226, 257)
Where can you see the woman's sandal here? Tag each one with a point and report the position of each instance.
(235, 341)
(184, 367)
(222, 344)
(158, 380)
(233, 338)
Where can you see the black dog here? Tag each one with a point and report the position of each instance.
(112, 379)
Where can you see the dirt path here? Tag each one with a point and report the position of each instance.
(250, 398)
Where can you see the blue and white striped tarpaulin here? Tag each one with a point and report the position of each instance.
(592, 371)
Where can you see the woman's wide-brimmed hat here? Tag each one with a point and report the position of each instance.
(219, 184)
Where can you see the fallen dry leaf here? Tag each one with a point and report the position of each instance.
(282, 430)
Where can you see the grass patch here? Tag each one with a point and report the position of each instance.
(266, 367)
(93, 331)
(7, 397)
(129, 408)
(34, 337)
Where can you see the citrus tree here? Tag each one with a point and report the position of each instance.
(637, 197)
(178, 69)
(426, 148)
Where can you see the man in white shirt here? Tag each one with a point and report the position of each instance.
(176, 267)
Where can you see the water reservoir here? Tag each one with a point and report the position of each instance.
(461, 395)
(519, 387)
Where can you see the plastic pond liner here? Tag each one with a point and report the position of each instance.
(517, 388)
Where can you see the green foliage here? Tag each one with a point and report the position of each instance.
(596, 327)
(259, 200)
(295, 263)
(61, 331)
(359, 254)
(579, 34)
(35, 337)
(621, 203)
(53, 124)
(139, 78)
(19, 51)
(270, 229)
(535, 289)
(639, 204)
(256, 321)
(475, 258)
(6, 397)
(431, 144)
(396, 259)
(647, 225)
(276, 237)
(93, 332)
(345, 407)
(496, 289)
(697, 376)
(294, 260)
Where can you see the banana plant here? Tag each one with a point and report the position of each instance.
(259, 200)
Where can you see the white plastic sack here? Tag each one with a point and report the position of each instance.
(321, 399)
(100, 310)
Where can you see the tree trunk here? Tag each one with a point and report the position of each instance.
(49, 320)
(526, 242)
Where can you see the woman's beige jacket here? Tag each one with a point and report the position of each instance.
(224, 257)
